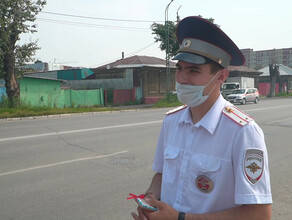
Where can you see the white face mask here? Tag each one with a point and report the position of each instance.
(192, 95)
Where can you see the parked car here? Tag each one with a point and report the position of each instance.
(244, 95)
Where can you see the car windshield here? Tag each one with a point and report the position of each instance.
(229, 86)
(239, 91)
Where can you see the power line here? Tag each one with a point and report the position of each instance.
(97, 18)
(127, 55)
(94, 25)
(130, 54)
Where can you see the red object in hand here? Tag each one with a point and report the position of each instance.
(133, 196)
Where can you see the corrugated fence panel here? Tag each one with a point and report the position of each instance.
(2, 92)
(86, 97)
(39, 92)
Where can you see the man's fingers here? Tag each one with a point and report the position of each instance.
(141, 215)
(135, 216)
(151, 200)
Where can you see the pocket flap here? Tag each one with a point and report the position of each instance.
(206, 163)
(171, 152)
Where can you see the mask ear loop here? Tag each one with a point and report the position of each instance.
(210, 82)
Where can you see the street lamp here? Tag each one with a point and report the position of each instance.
(167, 50)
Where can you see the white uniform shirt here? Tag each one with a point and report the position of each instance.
(215, 148)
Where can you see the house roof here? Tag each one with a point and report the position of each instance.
(44, 78)
(284, 70)
(242, 69)
(136, 62)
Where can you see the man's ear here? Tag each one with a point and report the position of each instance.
(223, 75)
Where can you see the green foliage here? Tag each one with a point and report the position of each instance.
(169, 101)
(283, 94)
(160, 31)
(23, 55)
(16, 18)
(5, 103)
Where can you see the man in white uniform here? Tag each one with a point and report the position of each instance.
(211, 158)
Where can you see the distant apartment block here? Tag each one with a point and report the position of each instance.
(37, 66)
(262, 58)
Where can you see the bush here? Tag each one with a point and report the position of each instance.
(283, 94)
(169, 101)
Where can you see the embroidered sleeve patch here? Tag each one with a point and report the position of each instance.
(253, 165)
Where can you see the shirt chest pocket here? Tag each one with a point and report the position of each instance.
(171, 164)
(204, 170)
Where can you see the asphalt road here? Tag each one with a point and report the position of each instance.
(84, 166)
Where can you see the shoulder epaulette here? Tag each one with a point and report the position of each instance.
(176, 109)
(237, 115)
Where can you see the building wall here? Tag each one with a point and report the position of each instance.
(261, 59)
(124, 96)
(125, 82)
(154, 84)
(264, 88)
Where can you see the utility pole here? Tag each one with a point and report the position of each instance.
(167, 50)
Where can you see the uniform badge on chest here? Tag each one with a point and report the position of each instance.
(204, 183)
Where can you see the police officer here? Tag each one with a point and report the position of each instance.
(211, 160)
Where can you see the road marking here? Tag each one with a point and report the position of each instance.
(272, 122)
(259, 109)
(61, 163)
(77, 131)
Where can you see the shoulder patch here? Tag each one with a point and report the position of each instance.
(237, 115)
(176, 109)
(253, 165)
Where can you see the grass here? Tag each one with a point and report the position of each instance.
(283, 94)
(169, 101)
(28, 111)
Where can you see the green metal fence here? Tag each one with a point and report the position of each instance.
(47, 92)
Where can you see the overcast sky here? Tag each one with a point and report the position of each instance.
(101, 30)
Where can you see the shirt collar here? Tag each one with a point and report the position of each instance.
(210, 119)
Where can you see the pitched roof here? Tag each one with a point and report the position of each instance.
(242, 69)
(284, 70)
(137, 61)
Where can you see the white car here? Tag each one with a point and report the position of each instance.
(244, 95)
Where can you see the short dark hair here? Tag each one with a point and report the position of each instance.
(215, 67)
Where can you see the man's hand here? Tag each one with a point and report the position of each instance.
(164, 210)
(142, 214)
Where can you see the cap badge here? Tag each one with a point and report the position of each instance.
(187, 43)
(204, 184)
(253, 165)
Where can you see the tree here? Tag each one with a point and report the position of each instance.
(160, 31)
(274, 74)
(16, 17)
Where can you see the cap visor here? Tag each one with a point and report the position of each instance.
(191, 58)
